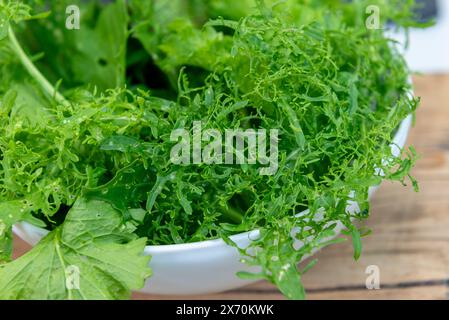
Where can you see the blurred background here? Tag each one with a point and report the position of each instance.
(428, 50)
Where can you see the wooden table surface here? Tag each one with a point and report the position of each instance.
(410, 239)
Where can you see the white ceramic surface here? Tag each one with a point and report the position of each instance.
(201, 267)
(428, 50)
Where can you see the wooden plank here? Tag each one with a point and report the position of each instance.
(410, 240)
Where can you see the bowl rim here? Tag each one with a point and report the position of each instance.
(398, 143)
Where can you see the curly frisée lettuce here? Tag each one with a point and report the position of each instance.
(86, 118)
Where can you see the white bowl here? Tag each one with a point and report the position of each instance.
(206, 266)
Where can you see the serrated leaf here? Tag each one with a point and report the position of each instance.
(107, 259)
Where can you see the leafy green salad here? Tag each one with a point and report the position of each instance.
(87, 115)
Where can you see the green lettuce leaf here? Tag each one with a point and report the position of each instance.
(92, 256)
(94, 55)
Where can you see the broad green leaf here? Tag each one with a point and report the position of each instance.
(175, 41)
(91, 256)
(93, 55)
(101, 51)
(29, 108)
